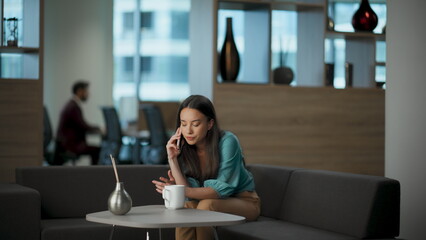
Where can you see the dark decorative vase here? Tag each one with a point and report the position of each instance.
(229, 62)
(282, 74)
(364, 19)
(329, 74)
(349, 71)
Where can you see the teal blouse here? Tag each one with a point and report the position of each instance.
(233, 177)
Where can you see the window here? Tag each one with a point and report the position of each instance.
(159, 42)
(146, 20)
(178, 66)
(128, 21)
(145, 64)
(128, 64)
(180, 26)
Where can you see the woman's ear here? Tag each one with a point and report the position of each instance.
(211, 123)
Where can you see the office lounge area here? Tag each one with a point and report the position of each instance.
(403, 98)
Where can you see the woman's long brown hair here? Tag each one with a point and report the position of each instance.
(188, 158)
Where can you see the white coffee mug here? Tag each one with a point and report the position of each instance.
(174, 196)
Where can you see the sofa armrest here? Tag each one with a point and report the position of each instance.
(19, 212)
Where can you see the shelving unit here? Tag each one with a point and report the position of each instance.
(21, 93)
(351, 35)
(309, 125)
(295, 6)
(311, 34)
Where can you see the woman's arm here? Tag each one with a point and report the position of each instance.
(190, 192)
(176, 172)
(201, 193)
(172, 155)
(232, 176)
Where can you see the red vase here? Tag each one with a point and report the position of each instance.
(364, 19)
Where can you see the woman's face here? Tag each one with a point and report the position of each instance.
(194, 126)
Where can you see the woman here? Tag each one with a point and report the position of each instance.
(209, 162)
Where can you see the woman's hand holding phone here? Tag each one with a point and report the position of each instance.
(173, 145)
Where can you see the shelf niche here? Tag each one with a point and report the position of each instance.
(25, 57)
(252, 35)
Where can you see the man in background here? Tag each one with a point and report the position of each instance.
(72, 128)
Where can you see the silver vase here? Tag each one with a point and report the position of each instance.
(119, 201)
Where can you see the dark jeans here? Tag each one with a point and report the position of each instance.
(62, 154)
(93, 152)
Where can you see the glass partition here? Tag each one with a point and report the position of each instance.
(151, 50)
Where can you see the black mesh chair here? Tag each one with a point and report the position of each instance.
(112, 142)
(47, 136)
(47, 131)
(155, 151)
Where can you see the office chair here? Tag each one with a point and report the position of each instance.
(155, 151)
(55, 155)
(61, 155)
(47, 136)
(112, 142)
(47, 131)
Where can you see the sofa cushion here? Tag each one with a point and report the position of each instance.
(271, 183)
(19, 212)
(79, 228)
(271, 229)
(358, 205)
(72, 192)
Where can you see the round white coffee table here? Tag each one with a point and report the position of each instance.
(157, 216)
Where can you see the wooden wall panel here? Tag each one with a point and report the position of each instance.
(318, 128)
(21, 126)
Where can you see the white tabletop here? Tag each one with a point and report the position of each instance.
(157, 216)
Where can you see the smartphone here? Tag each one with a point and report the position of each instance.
(178, 143)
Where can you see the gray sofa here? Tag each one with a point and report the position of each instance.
(51, 203)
